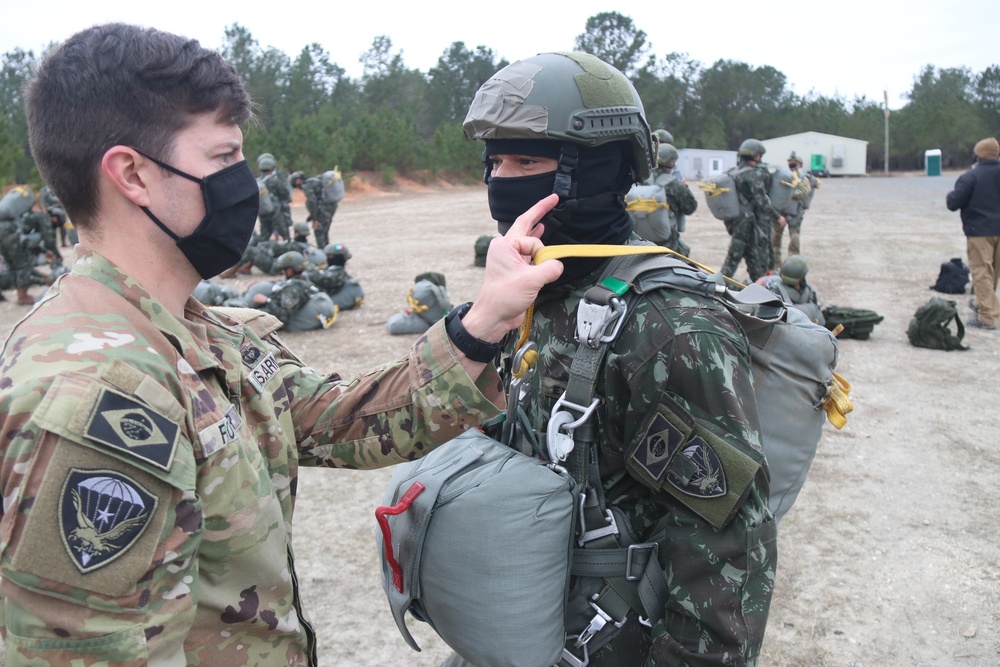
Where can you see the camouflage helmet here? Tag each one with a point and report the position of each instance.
(751, 148)
(663, 136)
(569, 97)
(794, 270)
(301, 228)
(665, 153)
(337, 249)
(266, 161)
(292, 260)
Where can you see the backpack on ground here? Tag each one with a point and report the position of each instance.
(268, 201)
(333, 186)
(930, 326)
(953, 277)
(857, 322)
(438, 536)
(651, 215)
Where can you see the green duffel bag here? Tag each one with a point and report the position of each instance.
(476, 539)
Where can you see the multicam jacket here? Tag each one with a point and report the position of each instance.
(149, 471)
(682, 354)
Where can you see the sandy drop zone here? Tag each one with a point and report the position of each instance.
(891, 555)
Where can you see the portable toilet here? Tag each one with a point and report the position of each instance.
(932, 162)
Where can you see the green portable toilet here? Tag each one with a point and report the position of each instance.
(932, 162)
(817, 165)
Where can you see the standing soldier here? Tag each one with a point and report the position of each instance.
(795, 209)
(679, 197)
(570, 127)
(751, 231)
(323, 195)
(16, 204)
(275, 208)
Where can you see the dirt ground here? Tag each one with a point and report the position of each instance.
(891, 555)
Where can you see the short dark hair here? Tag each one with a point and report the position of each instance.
(119, 84)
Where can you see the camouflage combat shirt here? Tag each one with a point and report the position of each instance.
(150, 466)
(680, 352)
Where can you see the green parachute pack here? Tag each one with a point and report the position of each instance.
(857, 322)
(930, 326)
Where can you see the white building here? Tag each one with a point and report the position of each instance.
(838, 156)
(696, 164)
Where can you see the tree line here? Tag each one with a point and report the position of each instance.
(394, 119)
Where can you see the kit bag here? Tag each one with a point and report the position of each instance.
(953, 277)
(475, 539)
(931, 326)
(650, 213)
(333, 186)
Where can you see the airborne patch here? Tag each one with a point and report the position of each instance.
(102, 513)
(697, 471)
(132, 428)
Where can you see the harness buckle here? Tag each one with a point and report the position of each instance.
(559, 431)
(571, 659)
(601, 619)
(610, 529)
(593, 320)
(653, 546)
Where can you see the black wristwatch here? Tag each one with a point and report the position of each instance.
(472, 347)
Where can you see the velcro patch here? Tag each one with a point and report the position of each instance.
(657, 448)
(132, 428)
(698, 471)
(102, 513)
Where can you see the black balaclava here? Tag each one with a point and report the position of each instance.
(591, 183)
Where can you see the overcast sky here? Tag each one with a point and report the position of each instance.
(851, 48)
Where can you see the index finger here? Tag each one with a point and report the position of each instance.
(525, 225)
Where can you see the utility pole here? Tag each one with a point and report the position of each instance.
(885, 95)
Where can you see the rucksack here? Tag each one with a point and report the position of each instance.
(16, 203)
(930, 326)
(792, 368)
(482, 248)
(857, 322)
(268, 202)
(333, 186)
(647, 206)
(953, 277)
(723, 200)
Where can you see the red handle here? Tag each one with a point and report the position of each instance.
(381, 515)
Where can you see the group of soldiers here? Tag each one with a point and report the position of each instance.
(323, 194)
(29, 226)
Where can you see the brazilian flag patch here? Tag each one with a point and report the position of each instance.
(102, 513)
(132, 428)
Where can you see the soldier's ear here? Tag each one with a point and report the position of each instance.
(129, 173)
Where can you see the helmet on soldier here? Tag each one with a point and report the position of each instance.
(266, 162)
(296, 176)
(301, 228)
(294, 260)
(794, 158)
(663, 136)
(665, 154)
(751, 148)
(337, 254)
(794, 270)
(573, 98)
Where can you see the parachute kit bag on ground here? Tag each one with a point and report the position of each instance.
(930, 326)
(953, 277)
(858, 322)
(487, 593)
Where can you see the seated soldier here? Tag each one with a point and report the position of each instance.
(295, 301)
(428, 302)
(333, 278)
(791, 286)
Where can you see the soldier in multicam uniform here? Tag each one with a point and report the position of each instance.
(151, 446)
(751, 232)
(680, 355)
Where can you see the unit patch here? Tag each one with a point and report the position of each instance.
(132, 428)
(102, 513)
(698, 471)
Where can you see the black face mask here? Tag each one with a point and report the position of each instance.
(232, 198)
(511, 197)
